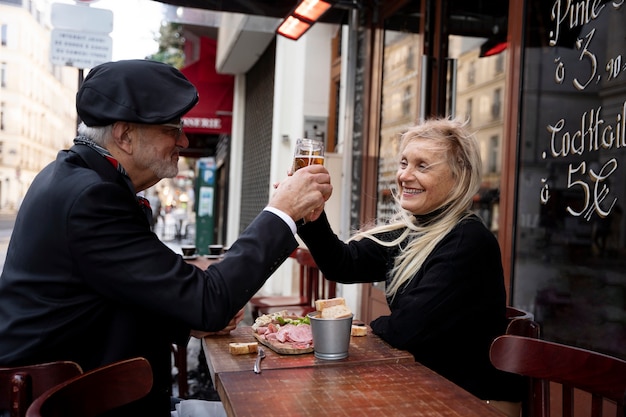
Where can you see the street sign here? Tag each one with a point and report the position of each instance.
(80, 49)
(81, 18)
(80, 37)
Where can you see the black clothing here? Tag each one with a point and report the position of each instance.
(134, 90)
(86, 280)
(447, 315)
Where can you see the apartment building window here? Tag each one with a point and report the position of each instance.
(406, 101)
(497, 103)
(471, 73)
(492, 160)
(500, 63)
(468, 110)
(410, 59)
(3, 74)
(3, 34)
(1, 117)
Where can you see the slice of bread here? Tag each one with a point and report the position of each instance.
(243, 348)
(336, 312)
(320, 305)
(358, 330)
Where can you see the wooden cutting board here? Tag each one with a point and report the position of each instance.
(281, 348)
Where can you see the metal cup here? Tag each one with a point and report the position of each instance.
(331, 337)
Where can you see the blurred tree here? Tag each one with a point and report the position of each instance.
(171, 43)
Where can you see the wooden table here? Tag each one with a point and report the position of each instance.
(383, 389)
(368, 349)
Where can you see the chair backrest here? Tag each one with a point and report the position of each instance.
(306, 275)
(95, 392)
(602, 376)
(524, 327)
(321, 288)
(518, 313)
(521, 323)
(21, 384)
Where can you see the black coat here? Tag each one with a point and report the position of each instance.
(447, 315)
(86, 280)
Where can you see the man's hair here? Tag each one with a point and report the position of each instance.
(98, 134)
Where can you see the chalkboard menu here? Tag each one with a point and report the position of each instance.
(570, 247)
(358, 128)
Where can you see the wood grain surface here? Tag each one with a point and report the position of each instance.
(402, 389)
(363, 350)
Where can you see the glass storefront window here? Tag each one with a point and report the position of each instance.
(479, 97)
(400, 105)
(569, 263)
(480, 80)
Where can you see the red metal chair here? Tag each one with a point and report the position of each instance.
(321, 287)
(96, 392)
(575, 370)
(316, 287)
(277, 302)
(21, 384)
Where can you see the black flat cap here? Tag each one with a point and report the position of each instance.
(138, 91)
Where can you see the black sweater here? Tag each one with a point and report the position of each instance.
(447, 315)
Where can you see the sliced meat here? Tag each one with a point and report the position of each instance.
(301, 334)
(292, 333)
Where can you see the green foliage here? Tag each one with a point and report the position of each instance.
(171, 43)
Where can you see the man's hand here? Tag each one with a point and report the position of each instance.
(202, 262)
(302, 195)
(232, 325)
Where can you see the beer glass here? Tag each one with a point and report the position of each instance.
(308, 152)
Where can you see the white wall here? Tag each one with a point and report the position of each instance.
(302, 83)
(301, 91)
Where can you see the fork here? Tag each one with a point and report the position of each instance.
(257, 362)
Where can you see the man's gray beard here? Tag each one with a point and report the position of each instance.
(165, 170)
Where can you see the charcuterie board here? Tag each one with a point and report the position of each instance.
(281, 348)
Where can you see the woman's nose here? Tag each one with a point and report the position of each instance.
(404, 174)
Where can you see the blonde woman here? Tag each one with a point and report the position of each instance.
(441, 265)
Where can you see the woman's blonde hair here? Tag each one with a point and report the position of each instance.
(418, 240)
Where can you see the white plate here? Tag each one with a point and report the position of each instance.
(190, 257)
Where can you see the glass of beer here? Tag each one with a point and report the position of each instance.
(308, 152)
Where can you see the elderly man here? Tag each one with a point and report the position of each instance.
(86, 280)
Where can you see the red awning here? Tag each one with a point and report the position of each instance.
(213, 113)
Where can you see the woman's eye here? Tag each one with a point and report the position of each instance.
(403, 164)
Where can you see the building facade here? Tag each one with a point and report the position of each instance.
(548, 110)
(37, 99)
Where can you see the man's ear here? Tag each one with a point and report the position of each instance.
(122, 133)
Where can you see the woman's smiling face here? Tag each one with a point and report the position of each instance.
(424, 177)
